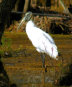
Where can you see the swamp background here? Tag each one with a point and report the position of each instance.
(21, 64)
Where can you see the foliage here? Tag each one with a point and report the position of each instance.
(6, 45)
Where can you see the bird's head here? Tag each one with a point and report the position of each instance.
(26, 18)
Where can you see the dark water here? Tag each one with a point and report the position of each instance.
(24, 67)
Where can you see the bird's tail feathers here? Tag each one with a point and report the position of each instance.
(54, 52)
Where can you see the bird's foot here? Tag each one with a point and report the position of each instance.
(45, 68)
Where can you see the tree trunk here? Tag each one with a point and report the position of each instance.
(16, 5)
(5, 8)
(26, 5)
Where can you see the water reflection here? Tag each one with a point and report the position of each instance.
(67, 79)
(4, 79)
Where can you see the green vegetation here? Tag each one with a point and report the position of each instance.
(6, 45)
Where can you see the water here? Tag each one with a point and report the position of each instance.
(24, 67)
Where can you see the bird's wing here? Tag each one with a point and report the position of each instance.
(45, 35)
(47, 44)
(48, 37)
(43, 42)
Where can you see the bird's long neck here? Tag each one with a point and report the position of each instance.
(29, 25)
(30, 29)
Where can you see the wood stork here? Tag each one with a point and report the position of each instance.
(41, 40)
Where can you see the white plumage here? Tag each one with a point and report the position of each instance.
(42, 41)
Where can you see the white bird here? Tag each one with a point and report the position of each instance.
(41, 40)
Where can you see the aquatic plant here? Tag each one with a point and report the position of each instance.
(5, 49)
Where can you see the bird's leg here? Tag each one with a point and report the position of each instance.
(43, 59)
(51, 62)
(43, 62)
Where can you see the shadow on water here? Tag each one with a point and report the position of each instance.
(4, 79)
(13, 85)
(67, 79)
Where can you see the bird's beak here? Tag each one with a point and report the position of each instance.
(22, 21)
